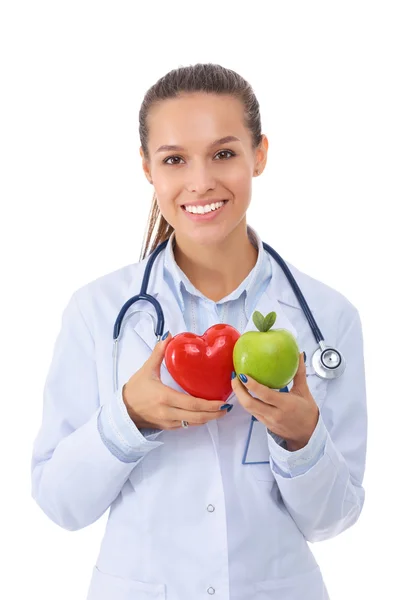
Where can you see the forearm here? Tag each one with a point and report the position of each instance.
(323, 500)
(76, 482)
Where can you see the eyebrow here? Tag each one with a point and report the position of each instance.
(224, 140)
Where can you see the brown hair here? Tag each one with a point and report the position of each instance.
(209, 78)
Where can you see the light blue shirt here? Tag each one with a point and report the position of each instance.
(234, 309)
(200, 313)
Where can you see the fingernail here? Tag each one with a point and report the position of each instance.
(305, 357)
(224, 406)
(230, 408)
(165, 335)
(233, 375)
(243, 378)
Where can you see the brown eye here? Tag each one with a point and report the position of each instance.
(226, 152)
(172, 157)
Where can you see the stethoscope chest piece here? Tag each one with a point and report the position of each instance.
(328, 363)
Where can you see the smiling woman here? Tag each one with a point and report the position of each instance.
(170, 462)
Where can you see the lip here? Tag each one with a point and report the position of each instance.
(208, 217)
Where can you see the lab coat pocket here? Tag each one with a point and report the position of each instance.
(111, 587)
(262, 472)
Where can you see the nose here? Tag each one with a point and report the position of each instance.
(200, 179)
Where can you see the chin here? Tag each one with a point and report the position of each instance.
(206, 235)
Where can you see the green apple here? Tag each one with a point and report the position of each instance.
(271, 357)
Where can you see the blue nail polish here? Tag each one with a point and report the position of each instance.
(233, 375)
(230, 408)
(224, 406)
(243, 378)
(165, 335)
(305, 357)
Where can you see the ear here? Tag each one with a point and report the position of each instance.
(261, 155)
(145, 165)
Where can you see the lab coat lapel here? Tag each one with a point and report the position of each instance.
(143, 323)
(269, 303)
(174, 320)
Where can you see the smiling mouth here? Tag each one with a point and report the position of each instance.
(212, 209)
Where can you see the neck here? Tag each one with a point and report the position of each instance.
(205, 268)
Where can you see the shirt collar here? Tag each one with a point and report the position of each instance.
(179, 282)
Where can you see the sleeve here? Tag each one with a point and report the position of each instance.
(120, 434)
(74, 475)
(291, 464)
(321, 484)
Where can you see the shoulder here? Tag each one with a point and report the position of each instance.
(100, 300)
(111, 284)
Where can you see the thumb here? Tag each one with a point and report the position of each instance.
(158, 354)
(300, 378)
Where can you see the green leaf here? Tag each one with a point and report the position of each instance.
(269, 320)
(258, 319)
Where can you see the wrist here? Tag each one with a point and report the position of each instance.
(132, 414)
(294, 445)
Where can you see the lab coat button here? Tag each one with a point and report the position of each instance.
(211, 590)
(210, 508)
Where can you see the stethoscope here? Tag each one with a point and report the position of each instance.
(327, 361)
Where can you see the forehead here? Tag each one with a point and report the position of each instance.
(194, 120)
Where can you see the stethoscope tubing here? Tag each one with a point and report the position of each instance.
(323, 370)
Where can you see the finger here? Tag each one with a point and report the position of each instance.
(262, 392)
(177, 415)
(158, 354)
(253, 405)
(192, 403)
(300, 379)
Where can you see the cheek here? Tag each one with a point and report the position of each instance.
(239, 182)
(166, 190)
(163, 184)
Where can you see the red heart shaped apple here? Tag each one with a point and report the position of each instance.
(202, 364)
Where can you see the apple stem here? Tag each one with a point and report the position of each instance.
(264, 323)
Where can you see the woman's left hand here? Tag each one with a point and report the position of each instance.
(293, 415)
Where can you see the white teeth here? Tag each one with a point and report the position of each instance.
(202, 210)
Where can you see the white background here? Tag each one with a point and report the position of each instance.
(334, 81)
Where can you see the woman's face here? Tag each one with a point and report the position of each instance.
(201, 169)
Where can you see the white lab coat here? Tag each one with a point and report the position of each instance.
(189, 520)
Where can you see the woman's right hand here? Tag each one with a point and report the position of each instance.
(151, 404)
